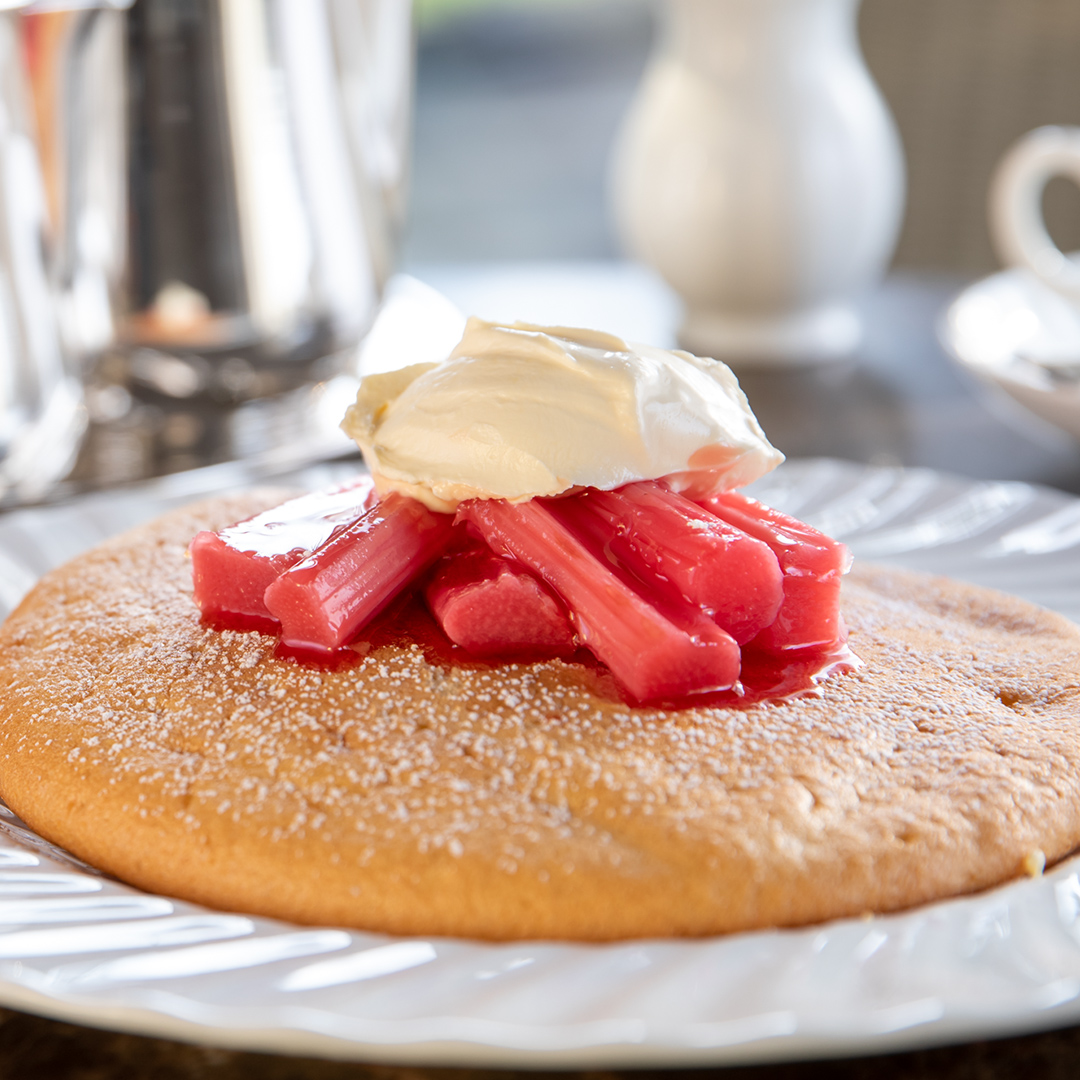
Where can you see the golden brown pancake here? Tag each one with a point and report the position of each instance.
(408, 796)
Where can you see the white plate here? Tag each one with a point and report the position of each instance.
(78, 946)
(1011, 330)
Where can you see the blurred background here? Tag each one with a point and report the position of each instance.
(519, 101)
(231, 185)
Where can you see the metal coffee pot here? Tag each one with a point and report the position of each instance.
(225, 180)
(41, 412)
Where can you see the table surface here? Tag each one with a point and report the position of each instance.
(899, 401)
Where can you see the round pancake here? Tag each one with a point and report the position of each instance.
(405, 796)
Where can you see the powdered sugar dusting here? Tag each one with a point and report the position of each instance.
(524, 766)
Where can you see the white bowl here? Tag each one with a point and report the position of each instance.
(1014, 332)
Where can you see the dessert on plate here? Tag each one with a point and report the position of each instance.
(546, 673)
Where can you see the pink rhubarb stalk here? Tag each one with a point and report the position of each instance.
(325, 600)
(232, 567)
(813, 565)
(651, 656)
(683, 552)
(492, 606)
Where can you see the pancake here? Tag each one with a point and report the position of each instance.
(408, 795)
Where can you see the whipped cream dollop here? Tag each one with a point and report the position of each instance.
(521, 411)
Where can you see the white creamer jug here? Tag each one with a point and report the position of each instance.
(760, 172)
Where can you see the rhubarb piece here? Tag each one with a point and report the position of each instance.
(683, 552)
(649, 655)
(492, 606)
(813, 564)
(232, 567)
(324, 600)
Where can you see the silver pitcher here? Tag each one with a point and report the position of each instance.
(226, 179)
(41, 413)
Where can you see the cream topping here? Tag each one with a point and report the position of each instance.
(522, 411)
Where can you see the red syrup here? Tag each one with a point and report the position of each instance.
(765, 677)
(614, 608)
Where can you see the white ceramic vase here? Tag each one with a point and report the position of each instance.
(760, 172)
